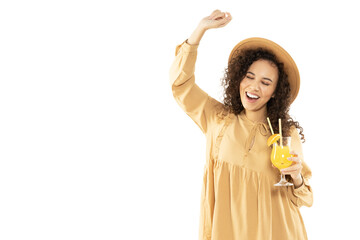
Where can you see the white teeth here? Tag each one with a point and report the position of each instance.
(251, 96)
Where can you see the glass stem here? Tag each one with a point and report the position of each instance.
(283, 177)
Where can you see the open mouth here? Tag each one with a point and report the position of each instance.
(251, 97)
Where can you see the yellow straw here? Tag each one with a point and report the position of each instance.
(281, 143)
(272, 131)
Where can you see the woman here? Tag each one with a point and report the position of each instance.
(239, 199)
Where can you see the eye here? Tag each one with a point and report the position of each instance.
(267, 84)
(250, 77)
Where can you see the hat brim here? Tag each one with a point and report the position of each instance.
(282, 55)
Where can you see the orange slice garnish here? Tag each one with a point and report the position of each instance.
(272, 139)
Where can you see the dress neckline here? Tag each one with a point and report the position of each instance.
(255, 126)
(246, 119)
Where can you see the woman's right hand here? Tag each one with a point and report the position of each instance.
(217, 19)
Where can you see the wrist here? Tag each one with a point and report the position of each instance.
(196, 36)
(201, 29)
(298, 181)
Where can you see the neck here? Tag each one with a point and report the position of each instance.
(257, 116)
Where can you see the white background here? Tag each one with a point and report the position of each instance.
(93, 145)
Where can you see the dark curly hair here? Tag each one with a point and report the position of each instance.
(277, 107)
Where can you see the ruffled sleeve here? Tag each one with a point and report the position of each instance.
(196, 103)
(303, 195)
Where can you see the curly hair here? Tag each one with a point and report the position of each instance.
(277, 107)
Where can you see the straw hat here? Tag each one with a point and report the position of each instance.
(283, 56)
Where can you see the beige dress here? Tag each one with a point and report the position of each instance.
(238, 199)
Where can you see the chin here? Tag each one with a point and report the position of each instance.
(253, 108)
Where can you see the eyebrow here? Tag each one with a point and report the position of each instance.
(263, 78)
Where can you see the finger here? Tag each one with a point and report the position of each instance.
(293, 173)
(229, 15)
(213, 14)
(223, 22)
(294, 153)
(273, 165)
(217, 11)
(291, 169)
(294, 159)
(218, 16)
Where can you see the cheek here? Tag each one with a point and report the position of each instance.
(271, 91)
(242, 85)
(268, 92)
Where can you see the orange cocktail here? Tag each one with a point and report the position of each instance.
(279, 155)
(281, 148)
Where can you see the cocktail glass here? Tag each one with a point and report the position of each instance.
(279, 154)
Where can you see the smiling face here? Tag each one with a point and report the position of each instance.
(258, 85)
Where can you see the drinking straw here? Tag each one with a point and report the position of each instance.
(272, 131)
(281, 143)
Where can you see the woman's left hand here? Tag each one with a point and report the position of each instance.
(295, 169)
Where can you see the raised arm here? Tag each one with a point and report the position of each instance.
(190, 97)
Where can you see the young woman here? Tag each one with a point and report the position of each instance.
(239, 199)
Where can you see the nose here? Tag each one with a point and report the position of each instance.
(255, 86)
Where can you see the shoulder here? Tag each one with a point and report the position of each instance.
(293, 129)
(218, 116)
(295, 137)
(294, 132)
(222, 114)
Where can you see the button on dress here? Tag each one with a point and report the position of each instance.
(238, 199)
